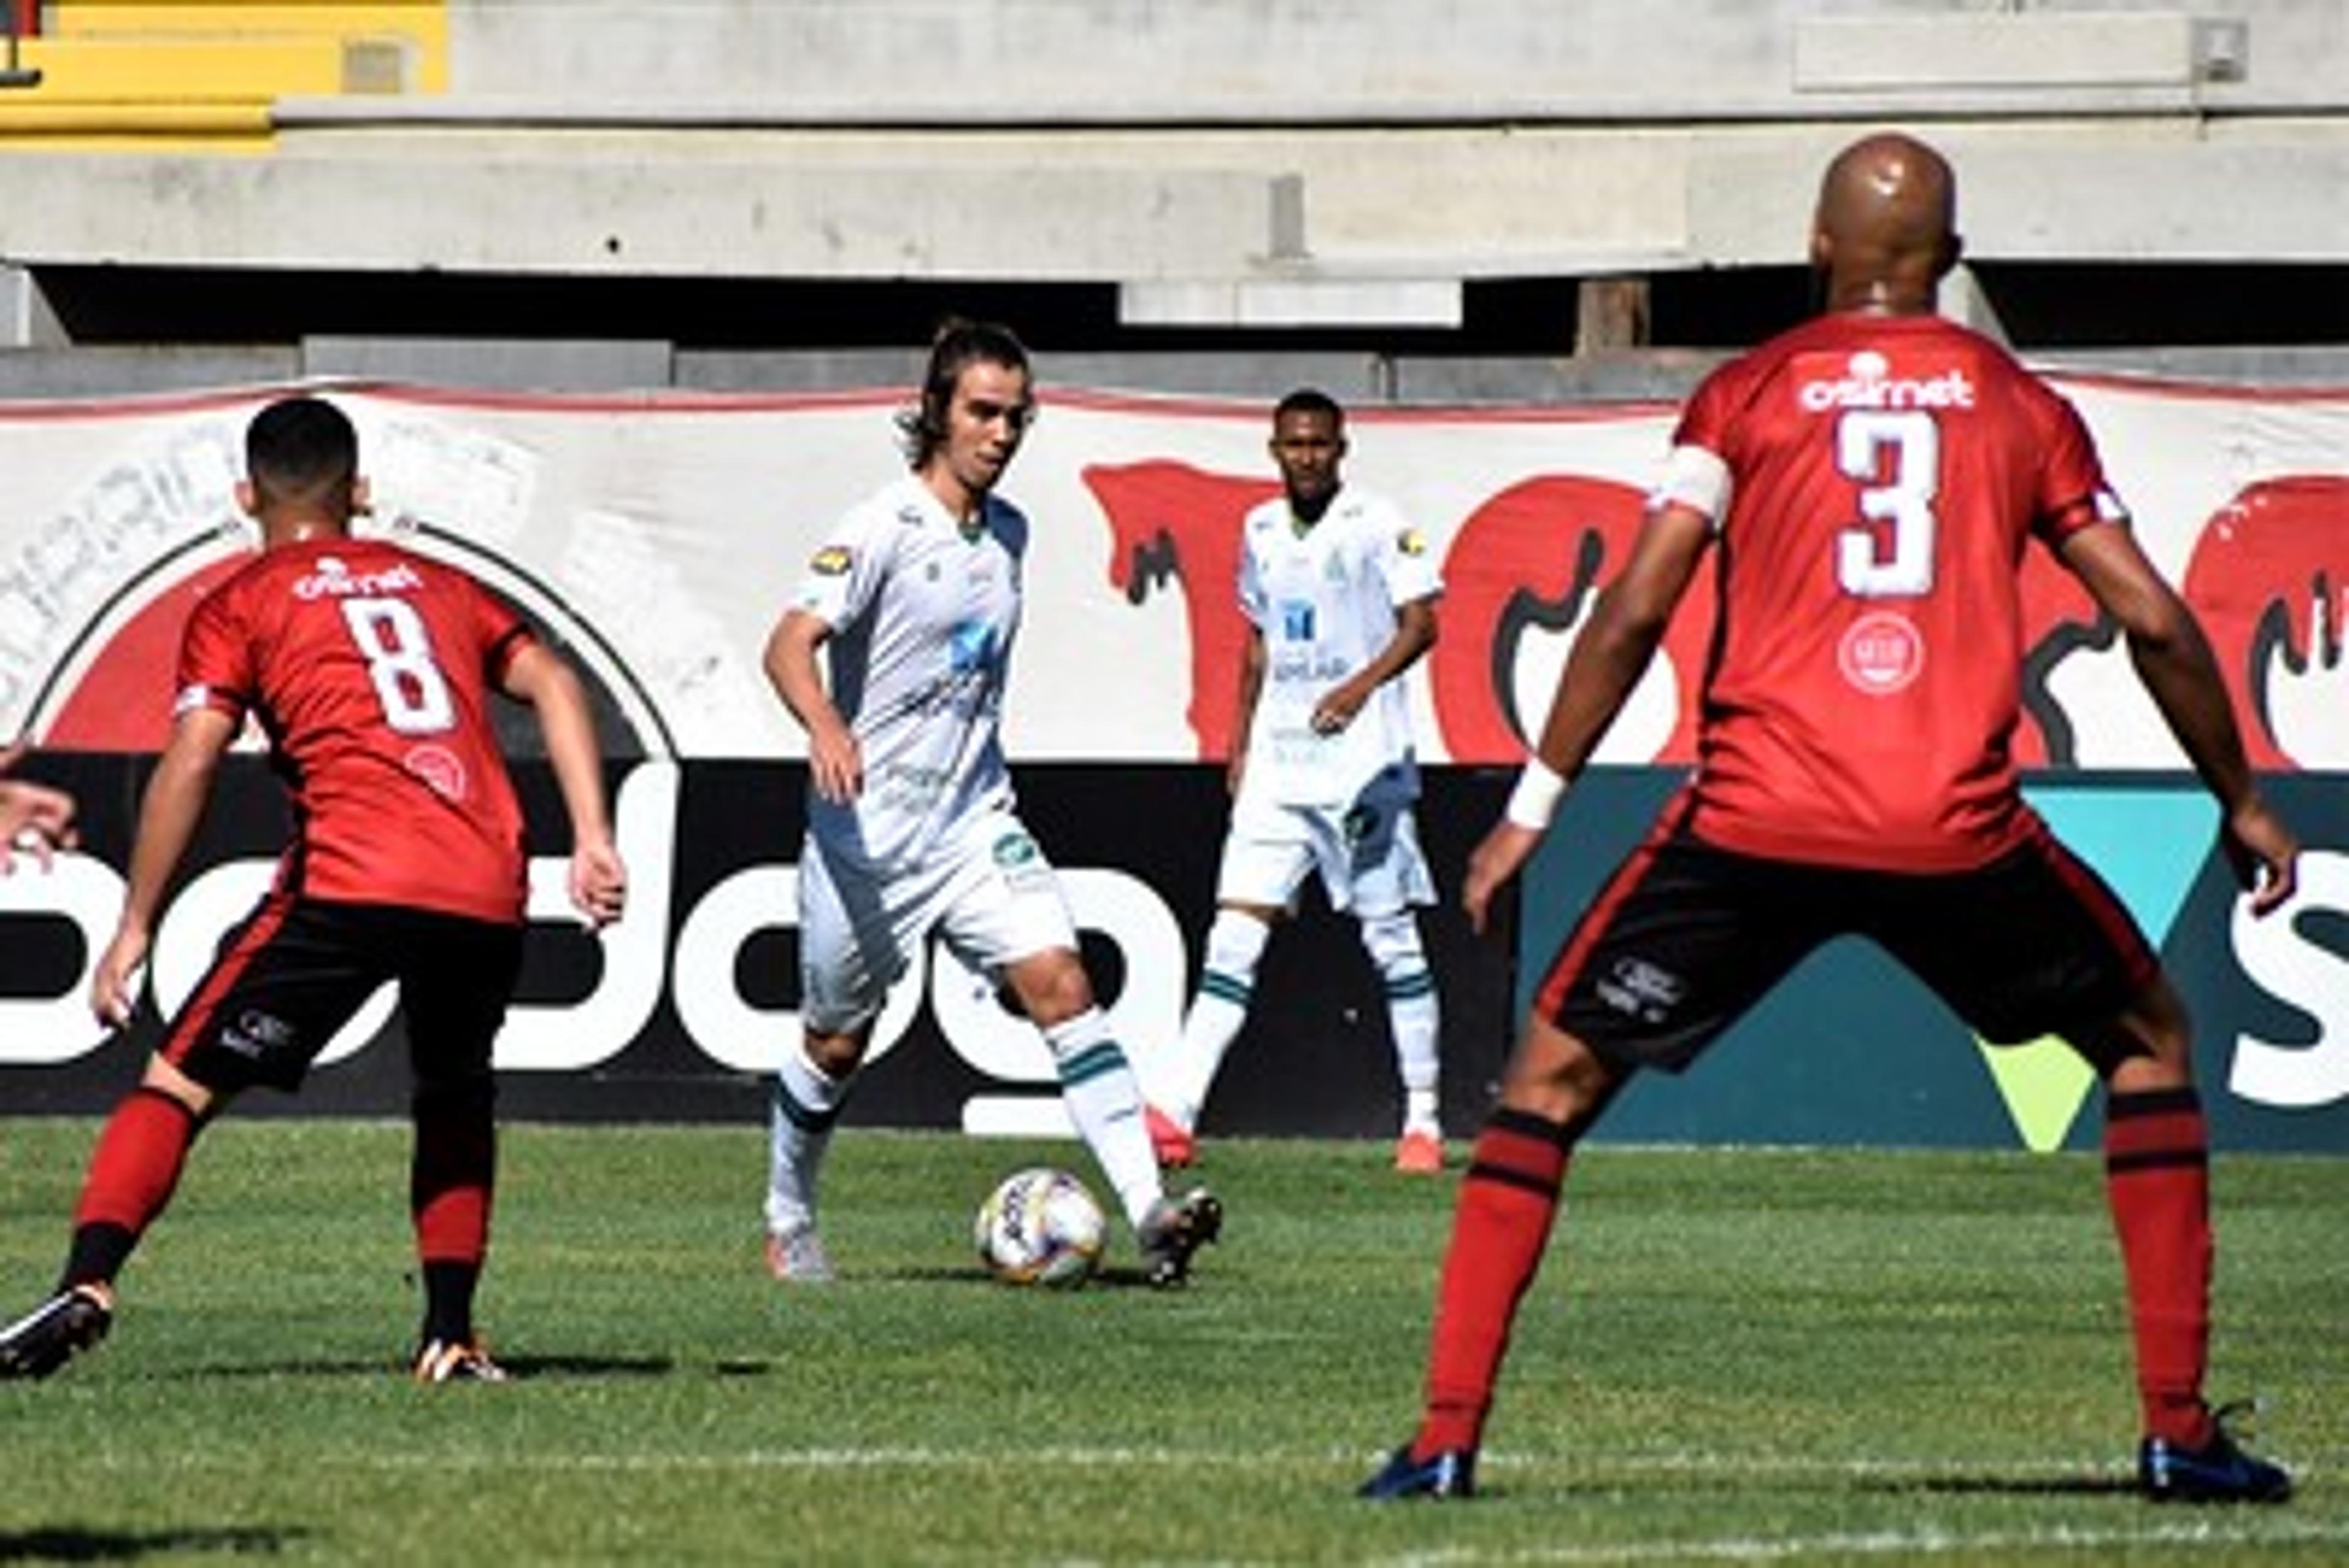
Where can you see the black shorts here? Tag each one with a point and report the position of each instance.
(296, 971)
(1686, 937)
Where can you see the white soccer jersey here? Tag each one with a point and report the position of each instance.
(1325, 599)
(923, 616)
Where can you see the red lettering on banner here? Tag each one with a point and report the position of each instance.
(2059, 618)
(1529, 558)
(2270, 579)
(122, 702)
(1534, 557)
(1170, 521)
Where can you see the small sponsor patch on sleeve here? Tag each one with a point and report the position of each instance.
(832, 561)
(191, 697)
(1412, 541)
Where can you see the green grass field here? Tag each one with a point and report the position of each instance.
(1730, 1356)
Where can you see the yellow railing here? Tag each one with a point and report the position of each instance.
(203, 74)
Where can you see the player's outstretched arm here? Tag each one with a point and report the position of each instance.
(33, 817)
(168, 817)
(1609, 658)
(2173, 659)
(598, 879)
(835, 761)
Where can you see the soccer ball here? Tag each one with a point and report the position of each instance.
(1040, 1227)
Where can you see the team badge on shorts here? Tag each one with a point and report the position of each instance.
(1021, 863)
(1638, 989)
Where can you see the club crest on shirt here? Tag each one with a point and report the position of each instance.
(968, 646)
(440, 769)
(1880, 653)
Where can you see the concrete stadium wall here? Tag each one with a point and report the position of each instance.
(1238, 164)
(953, 62)
(1356, 378)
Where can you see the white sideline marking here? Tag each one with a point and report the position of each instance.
(1902, 1544)
(1579, 1468)
(919, 1457)
(2227, 1528)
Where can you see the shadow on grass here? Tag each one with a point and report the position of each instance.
(1116, 1278)
(517, 1366)
(588, 1366)
(2009, 1486)
(63, 1544)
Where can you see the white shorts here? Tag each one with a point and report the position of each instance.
(1368, 853)
(990, 895)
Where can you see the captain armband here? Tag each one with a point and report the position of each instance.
(1535, 799)
(1696, 479)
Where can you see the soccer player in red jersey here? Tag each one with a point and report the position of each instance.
(1867, 483)
(369, 670)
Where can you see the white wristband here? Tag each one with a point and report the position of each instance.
(1534, 800)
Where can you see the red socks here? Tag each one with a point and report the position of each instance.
(2157, 1163)
(136, 1163)
(2157, 1177)
(451, 1174)
(1507, 1201)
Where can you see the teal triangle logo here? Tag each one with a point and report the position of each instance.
(2149, 845)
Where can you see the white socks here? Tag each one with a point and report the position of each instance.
(805, 1101)
(1392, 943)
(1236, 945)
(1105, 1102)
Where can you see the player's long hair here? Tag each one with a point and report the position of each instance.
(922, 427)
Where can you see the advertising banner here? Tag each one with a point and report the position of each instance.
(657, 537)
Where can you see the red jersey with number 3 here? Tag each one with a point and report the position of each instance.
(1885, 474)
(370, 668)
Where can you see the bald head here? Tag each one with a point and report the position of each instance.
(1885, 232)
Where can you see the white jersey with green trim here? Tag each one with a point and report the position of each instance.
(1325, 599)
(923, 612)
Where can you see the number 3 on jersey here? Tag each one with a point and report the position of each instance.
(390, 635)
(1906, 445)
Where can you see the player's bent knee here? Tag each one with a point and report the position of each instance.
(835, 1055)
(1393, 941)
(1556, 1076)
(164, 1077)
(2147, 1044)
(1051, 986)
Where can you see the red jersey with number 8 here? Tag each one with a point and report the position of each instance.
(370, 668)
(1884, 475)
